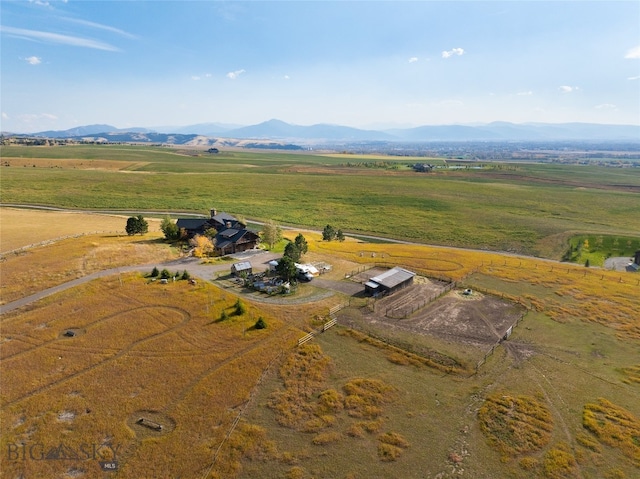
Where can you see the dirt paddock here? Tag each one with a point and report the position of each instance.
(428, 308)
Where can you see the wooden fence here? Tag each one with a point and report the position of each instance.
(506, 336)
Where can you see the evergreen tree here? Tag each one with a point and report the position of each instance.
(301, 243)
(292, 251)
(328, 233)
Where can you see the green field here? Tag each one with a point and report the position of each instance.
(597, 248)
(526, 208)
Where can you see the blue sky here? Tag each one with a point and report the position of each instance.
(368, 64)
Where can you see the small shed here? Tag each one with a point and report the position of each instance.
(243, 267)
(273, 264)
(389, 281)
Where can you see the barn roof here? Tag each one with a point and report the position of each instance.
(242, 266)
(393, 277)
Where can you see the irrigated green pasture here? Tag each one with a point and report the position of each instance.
(529, 208)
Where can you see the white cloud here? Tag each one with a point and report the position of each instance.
(286, 77)
(195, 77)
(605, 106)
(568, 89)
(452, 52)
(633, 53)
(33, 60)
(57, 38)
(5, 116)
(235, 74)
(413, 59)
(31, 117)
(634, 78)
(525, 93)
(100, 26)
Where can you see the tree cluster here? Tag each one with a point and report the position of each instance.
(170, 229)
(329, 233)
(137, 225)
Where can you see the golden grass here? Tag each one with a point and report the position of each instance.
(37, 269)
(614, 426)
(23, 227)
(515, 424)
(559, 463)
(142, 347)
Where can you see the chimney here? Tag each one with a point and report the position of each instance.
(213, 212)
(228, 224)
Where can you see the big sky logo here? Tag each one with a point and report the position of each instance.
(106, 453)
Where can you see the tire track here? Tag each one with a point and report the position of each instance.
(185, 320)
(87, 327)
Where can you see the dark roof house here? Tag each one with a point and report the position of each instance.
(233, 240)
(193, 226)
(232, 235)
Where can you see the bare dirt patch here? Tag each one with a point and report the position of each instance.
(473, 322)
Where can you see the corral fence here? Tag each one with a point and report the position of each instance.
(506, 336)
(329, 324)
(403, 313)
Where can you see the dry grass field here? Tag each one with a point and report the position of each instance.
(558, 399)
(23, 227)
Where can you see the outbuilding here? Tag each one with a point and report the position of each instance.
(389, 281)
(243, 267)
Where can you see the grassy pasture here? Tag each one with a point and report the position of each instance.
(529, 208)
(23, 227)
(149, 347)
(143, 347)
(597, 248)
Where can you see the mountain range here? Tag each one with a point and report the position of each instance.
(277, 130)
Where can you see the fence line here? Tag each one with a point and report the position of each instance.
(236, 420)
(55, 240)
(503, 338)
(408, 311)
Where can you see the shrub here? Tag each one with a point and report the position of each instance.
(296, 472)
(394, 439)
(164, 274)
(528, 463)
(388, 452)
(154, 272)
(326, 438)
(330, 400)
(186, 275)
(240, 308)
(559, 462)
(260, 324)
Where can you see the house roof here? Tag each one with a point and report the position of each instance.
(224, 217)
(229, 233)
(191, 223)
(231, 236)
(393, 277)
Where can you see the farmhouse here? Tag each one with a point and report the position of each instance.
(193, 226)
(232, 235)
(389, 281)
